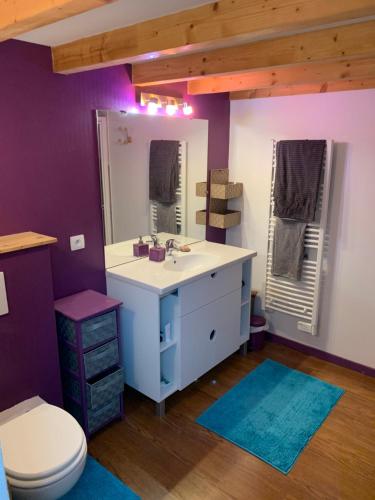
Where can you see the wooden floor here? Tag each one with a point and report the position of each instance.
(175, 458)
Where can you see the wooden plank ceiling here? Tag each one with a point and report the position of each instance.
(250, 48)
(334, 44)
(21, 16)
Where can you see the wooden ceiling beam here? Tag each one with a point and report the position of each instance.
(207, 26)
(21, 16)
(291, 75)
(344, 42)
(307, 88)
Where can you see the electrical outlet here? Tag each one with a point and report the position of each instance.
(77, 242)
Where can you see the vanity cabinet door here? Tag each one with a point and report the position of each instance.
(209, 335)
(209, 288)
(227, 339)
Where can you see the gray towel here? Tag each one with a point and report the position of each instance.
(288, 248)
(298, 170)
(164, 171)
(166, 222)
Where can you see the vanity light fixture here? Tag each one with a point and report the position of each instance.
(171, 105)
(171, 109)
(187, 109)
(152, 107)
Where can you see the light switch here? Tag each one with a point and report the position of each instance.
(77, 242)
(3, 296)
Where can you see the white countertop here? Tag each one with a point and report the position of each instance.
(122, 252)
(155, 277)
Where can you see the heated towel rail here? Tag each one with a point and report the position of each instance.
(301, 298)
(180, 205)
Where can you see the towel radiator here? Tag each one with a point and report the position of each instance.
(180, 205)
(301, 298)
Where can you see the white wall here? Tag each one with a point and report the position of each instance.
(348, 299)
(129, 169)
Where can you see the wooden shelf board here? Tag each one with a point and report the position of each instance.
(23, 241)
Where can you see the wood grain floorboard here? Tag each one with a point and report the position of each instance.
(174, 458)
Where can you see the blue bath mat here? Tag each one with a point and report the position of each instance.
(272, 413)
(97, 483)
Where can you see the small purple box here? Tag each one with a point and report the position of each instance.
(140, 249)
(157, 253)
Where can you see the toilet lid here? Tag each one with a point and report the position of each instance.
(40, 443)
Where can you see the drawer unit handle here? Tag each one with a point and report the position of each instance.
(213, 275)
(212, 334)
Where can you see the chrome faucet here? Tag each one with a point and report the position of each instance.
(154, 239)
(171, 245)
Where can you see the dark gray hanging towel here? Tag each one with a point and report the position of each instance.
(298, 170)
(288, 248)
(164, 171)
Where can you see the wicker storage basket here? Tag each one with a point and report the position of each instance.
(225, 220)
(226, 191)
(201, 189)
(200, 217)
(219, 176)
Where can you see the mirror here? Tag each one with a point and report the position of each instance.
(149, 167)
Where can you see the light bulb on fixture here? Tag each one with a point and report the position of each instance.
(187, 109)
(134, 110)
(152, 108)
(171, 109)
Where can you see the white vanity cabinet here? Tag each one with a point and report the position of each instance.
(171, 337)
(208, 336)
(210, 287)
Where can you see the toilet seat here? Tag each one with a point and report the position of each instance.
(41, 446)
(49, 480)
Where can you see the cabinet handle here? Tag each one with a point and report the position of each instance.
(212, 334)
(213, 275)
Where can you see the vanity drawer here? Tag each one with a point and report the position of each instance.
(209, 288)
(100, 391)
(101, 358)
(94, 330)
(209, 335)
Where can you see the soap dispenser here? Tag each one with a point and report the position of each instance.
(140, 249)
(157, 252)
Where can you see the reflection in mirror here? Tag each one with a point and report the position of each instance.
(149, 167)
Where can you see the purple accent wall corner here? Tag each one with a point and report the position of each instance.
(49, 159)
(50, 184)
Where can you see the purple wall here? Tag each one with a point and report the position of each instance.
(49, 165)
(28, 341)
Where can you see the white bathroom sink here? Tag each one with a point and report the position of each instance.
(189, 262)
(122, 252)
(180, 268)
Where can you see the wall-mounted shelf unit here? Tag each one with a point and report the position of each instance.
(221, 190)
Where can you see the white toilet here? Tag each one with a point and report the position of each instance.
(44, 453)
